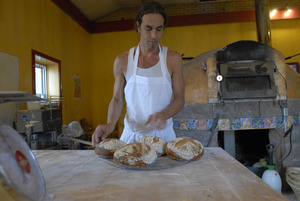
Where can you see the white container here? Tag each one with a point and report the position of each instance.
(272, 178)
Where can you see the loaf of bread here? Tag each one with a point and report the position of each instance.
(107, 147)
(156, 143)
(135, 155)
(185, 148)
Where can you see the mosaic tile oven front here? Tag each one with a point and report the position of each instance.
(236, 124)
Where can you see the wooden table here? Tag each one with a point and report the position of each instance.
(81, 175)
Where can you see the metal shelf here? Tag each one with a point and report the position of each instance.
(17, 96)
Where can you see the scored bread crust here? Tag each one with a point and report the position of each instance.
(185, 148)
(135, 155)
(107, 147)
(156, 143)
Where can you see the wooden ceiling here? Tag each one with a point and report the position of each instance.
(88, 14)
(96, 9)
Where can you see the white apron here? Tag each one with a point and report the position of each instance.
(145, 96)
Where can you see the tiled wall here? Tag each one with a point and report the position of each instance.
(237, 116)
(236, 124)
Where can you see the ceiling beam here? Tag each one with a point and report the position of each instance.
(70, 9)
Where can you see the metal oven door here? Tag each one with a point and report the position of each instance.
(247, 80)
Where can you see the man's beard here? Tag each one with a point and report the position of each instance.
(152, 45)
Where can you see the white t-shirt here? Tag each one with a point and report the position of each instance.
(154, 71)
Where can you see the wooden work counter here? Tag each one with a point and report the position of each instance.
(81, 175)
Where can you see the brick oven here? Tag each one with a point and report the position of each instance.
(242, 97)
(251, 98)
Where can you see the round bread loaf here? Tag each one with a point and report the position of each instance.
(135, 155)
(156, 143)
(107, 147)
(185, 148)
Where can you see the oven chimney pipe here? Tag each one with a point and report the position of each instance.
(263, 21)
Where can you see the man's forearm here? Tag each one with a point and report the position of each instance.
(114, 111)
(175, 106)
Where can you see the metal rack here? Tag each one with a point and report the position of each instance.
(33, 121)
(52, 100)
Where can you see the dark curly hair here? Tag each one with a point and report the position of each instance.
(150, 7)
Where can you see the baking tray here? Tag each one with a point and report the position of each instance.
(162, 162)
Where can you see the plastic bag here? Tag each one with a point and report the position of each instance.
(75, 129)
(66, 131)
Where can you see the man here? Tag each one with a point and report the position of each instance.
(148, 75)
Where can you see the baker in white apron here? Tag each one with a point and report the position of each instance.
(146, 95)
(153, 93)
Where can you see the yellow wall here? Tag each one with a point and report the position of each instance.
(286, 37)
(42, 26)
(194, 40)
(104, 49)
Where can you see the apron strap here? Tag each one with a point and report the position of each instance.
(135, 60)
(130, 69)
(163, 65)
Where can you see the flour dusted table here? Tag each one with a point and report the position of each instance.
(82, 175)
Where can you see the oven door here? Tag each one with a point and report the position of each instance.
(247, 80)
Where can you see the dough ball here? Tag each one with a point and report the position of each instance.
(135, 155)
(107, 147)
(156, 143)
(185, 148)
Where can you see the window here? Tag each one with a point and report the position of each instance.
(40, 81)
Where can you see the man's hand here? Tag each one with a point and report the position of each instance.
(157, 121)
(102, 130)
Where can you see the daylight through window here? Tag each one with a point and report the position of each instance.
(40, 81)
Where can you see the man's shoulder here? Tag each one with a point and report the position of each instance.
(122, 59)
(123, 56)
(172, 53)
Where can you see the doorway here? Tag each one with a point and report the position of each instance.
(46, 77)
